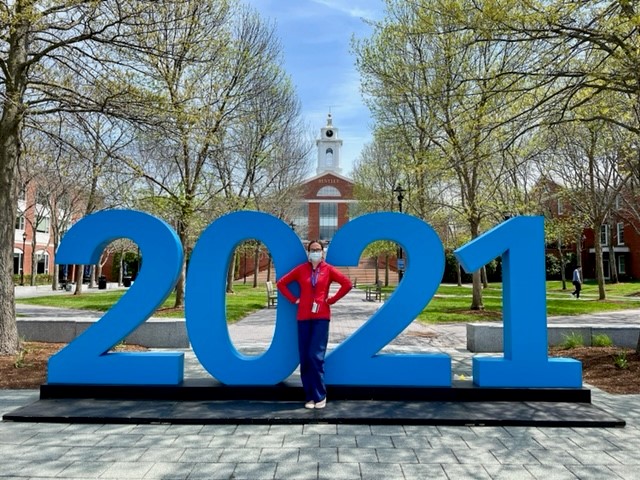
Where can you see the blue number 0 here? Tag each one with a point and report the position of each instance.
(85, 360)
(356, 361)
(205, 300)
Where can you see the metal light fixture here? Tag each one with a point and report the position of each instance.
(400, 192)
(400, 196)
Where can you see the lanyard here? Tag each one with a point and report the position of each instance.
(314, 276)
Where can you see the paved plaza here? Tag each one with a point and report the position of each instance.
(324, 451)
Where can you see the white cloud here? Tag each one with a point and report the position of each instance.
(352, 8)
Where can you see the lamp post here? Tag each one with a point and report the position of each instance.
(24, 246)
(400, 191)
(400, 196)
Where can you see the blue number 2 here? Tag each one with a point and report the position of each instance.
(357, 361)
(85, 360)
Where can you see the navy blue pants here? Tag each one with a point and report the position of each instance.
(313, 336)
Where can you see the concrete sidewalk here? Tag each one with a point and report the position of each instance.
(323, 451)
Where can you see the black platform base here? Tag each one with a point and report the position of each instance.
(198, 402)
(209, 389)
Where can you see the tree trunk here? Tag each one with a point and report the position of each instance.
(459, 273)
(563, 275)
(483, 272)
(476, 297)
(386, 269)
(613, 270)
(377, 270)
(231, 271)
(180, 286)
(9, 155)
(579, 251)
(10, 151)
(269, 269)
(179, 303)
(34, 263)
(54, 278)
(256, 265)
(599, 267)
(79, 279)
(92, 277)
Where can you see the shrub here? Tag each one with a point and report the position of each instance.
(620, 361)
(601, 340)
(572, 341)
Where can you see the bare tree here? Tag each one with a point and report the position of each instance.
(587, 160)
(43, 47)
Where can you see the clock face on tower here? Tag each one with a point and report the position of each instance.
(329, 133)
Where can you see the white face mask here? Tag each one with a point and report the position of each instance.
(315, 257)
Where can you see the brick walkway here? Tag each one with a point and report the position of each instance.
(322, 451)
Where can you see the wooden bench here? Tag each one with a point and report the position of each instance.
(373, 293)
(272, 295)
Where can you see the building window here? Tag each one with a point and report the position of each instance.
(43, 262)
(617, 206)
(43, 225)
(622, 265)
(20, 222)
(560, 207)
(328, 220)
(42, 198)
(329, 156)
(604, 235)
(328, 192)
(18, 262)
(620, 233)
(63, 202)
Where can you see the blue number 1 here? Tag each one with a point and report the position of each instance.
(520, 241)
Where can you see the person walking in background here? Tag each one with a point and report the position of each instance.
(314, 313)
(577, 282)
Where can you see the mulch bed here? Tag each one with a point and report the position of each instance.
(29, 369)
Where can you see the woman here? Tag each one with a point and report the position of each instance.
(315, 278)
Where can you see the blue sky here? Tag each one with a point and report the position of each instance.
(316, 36)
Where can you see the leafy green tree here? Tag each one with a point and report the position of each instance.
(440, 91)
(47, 49)
(221, 104)
(587, 159)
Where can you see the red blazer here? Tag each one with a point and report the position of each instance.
(326, 274)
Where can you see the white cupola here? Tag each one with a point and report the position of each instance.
(329, 146)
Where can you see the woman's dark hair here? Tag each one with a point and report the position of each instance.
(312, 242)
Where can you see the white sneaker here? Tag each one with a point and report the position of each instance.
(310, 404)
(322, 403)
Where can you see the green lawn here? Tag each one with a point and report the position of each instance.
(451, 303)
(239, 304)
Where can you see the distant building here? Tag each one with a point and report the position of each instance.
(620, 238)
(33, 222)
(324, 206)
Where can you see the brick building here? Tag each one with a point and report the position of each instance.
(324, 206)
(33, 235)
(620, 237)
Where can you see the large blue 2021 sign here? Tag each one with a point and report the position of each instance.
(357, 361)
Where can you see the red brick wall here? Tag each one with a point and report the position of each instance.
(311, 189)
